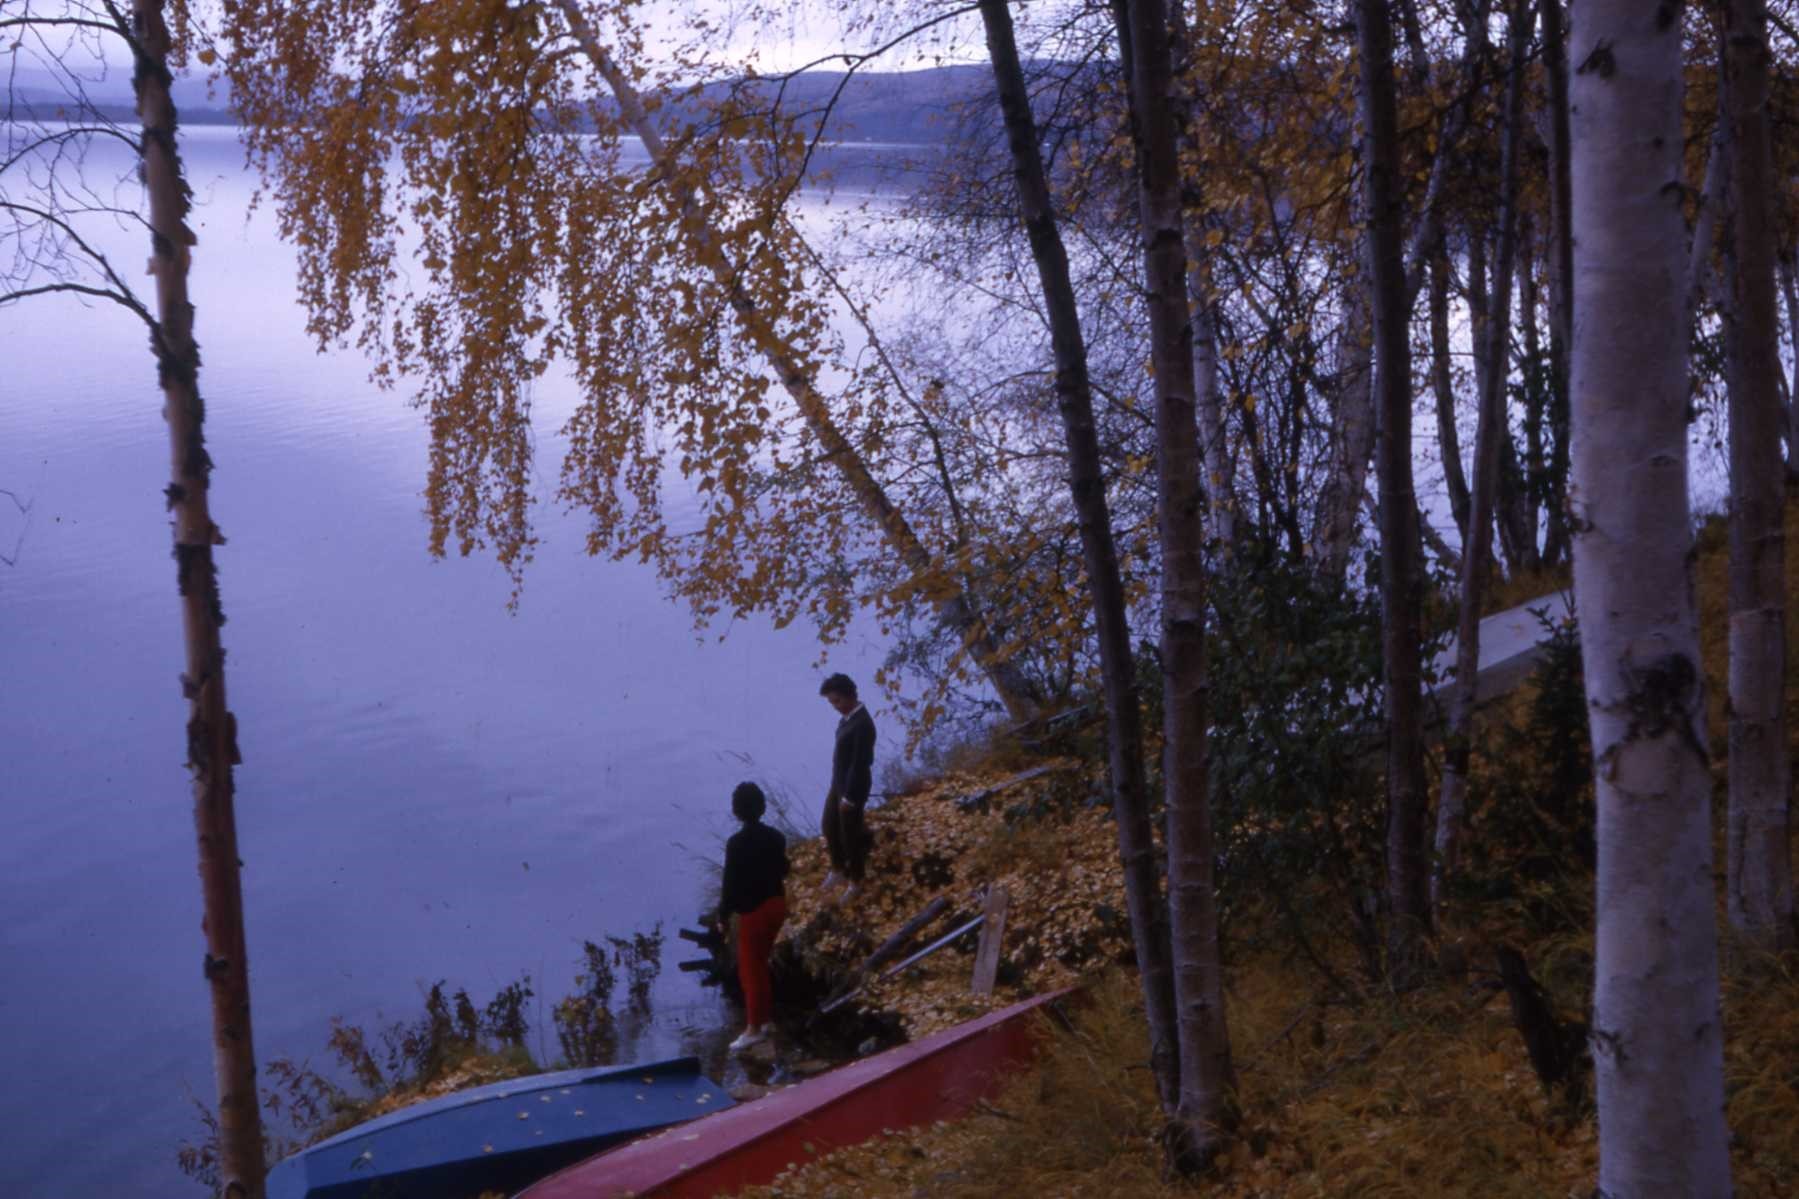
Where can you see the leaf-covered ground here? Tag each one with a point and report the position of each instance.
(1053, 852)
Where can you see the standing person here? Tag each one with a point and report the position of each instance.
(755, 864)
(852, 775)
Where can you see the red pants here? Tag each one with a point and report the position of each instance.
(756, 932)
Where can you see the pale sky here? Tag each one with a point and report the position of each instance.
(782, 34)
(789, 34)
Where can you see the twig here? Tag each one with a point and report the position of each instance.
(24, 508)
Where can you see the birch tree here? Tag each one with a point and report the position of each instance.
(49, 252)
(1657, 1035)
(1204, 1112)
(1086, 482)
(490, 136)
(1759, 877)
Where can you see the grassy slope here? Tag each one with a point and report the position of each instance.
(1430, 1093)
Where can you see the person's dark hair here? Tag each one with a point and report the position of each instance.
(838, 684)
(747, 802)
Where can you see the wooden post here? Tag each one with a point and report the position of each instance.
(993, 928)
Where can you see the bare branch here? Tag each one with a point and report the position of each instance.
(24, 507)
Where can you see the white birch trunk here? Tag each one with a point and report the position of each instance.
(1657, 1036)
(1205, 1112)
(1087, 487)
(1351, 435)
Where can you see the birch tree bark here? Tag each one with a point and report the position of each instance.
(1657, 1036)
(1204, 1113)
(957, 611)
(1352, 435)
(1477, 544)
(1086, 483)
(211, 728)
(1760, 875)
(1407, 881)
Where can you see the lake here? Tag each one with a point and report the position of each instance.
(432, 786)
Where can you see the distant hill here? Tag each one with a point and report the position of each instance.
(37, 94)
(915, 107)
(911, 107)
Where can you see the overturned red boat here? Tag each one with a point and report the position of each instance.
(934, 1079)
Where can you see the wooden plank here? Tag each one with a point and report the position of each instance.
(920, 956)
(978, 800)
(934, 946)
(705, 938)
(888, 950)
(891, 947)
(993, 929)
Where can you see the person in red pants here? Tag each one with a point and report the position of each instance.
(754, 891)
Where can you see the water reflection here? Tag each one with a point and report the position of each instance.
(432, 787)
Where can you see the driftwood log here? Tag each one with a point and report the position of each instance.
(889, 949)
(977, 801)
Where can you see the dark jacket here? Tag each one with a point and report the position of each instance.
(853, 759)
(755, 864)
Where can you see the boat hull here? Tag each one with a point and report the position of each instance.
(497, 1138)
(937, 1078)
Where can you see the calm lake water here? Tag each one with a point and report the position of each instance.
(432, 787)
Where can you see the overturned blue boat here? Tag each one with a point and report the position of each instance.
(501, 1137)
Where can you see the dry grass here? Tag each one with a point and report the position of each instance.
(1429, 1093)
(1523, 587)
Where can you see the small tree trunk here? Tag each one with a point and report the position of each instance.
(1352, 436)
(1538, 405)
(1790, 288)
(1224, 516)
(1656, 1030)
(1442, 383)
(211, 728)
(1760, 874)
(1477, 548)
(1407, 881)
(1560, 263)
(1086, 482)
(1353, 424)
(1205, 1113)
(958, 611)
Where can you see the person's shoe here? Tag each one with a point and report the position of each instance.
(749, 1038)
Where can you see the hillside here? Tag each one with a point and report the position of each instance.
(1344, 1090)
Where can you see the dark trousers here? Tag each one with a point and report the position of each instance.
(846, 836)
